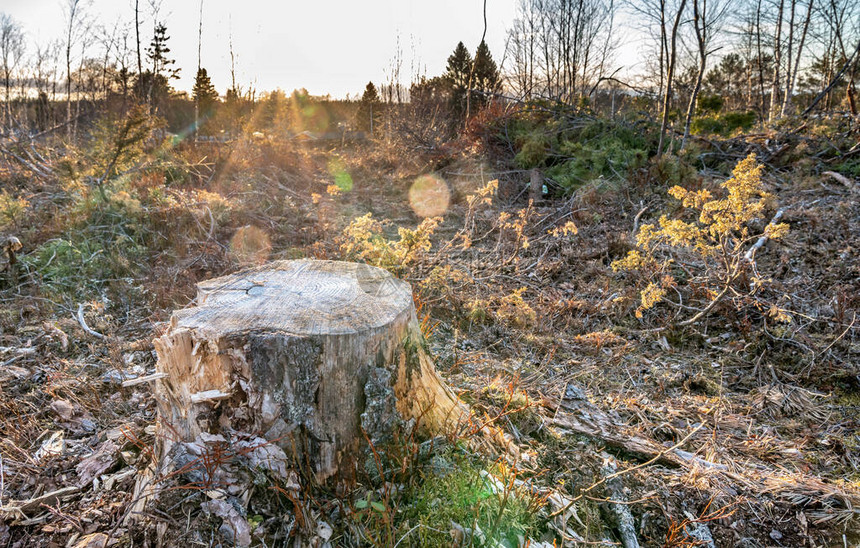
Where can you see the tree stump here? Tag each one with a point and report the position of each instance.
(310, 355)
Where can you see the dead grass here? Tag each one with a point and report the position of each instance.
(517, 310)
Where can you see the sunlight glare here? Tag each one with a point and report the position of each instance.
(342, 178)
(250, 246)
(429, 196)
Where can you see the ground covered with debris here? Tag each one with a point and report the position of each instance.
(702, 391)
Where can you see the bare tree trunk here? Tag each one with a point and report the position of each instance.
(78, 98)
(749, 65)
(73, 6)
(471, 72)
(838, 28)
(789, 54)
(789, 89)
(664, 53)
(670, 74)
(535, 186)
(137, 37)
(199, 47)
(777, 59)
(700, 24)
(760, 62)
(831, 61)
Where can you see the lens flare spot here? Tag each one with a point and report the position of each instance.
(342, 178)
(250, 246)
(429, 196)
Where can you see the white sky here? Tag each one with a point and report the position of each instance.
(326, 46)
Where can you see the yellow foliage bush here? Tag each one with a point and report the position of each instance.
(365, 240)
(707, 252)
(514, 310)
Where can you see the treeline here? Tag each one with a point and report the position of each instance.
(769, 58)
(39, 96)
(709, 65)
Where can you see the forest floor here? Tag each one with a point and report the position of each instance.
(730, 432)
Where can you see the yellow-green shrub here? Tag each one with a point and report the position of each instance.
(708, 251)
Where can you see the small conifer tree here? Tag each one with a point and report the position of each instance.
(205, 94)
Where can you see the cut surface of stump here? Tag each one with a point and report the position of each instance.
(314, 357)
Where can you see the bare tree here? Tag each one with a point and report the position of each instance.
(11, 52)
(791, 76)
(559, 49)
(777, 59)
(472, 70)
(707, 20)
(137, 35)
(843, 19)
(199, 48)
(520, 50)
(670, 38)
(74, 30)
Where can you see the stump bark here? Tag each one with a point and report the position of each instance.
(313, 356)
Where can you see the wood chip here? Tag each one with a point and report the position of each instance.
(209, 395)
(17, 509)
(146, 378)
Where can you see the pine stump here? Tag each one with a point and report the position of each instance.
(313, 356)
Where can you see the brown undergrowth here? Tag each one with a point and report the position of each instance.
(739, 427)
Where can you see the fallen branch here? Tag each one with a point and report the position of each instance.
(833, 82)
(841, 178)
(83, 322)
(750, 254)
(581, 417)
(609, 477)
(625, 524)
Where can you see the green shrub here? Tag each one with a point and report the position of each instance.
(671, 170)
(107, 245)
(364, 240)
(575, 154)
(11, 208)
(606, 156)
(534, 150)
(723, 124)
(849, 168)
(709, 103)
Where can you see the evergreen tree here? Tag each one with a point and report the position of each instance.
(157, 54)
(369, 110)
(205, 94)
(153, 85)
(151, 88)
(234, 107)
(459, 66)
(457, 74)
(486, 78)
(370, 94)
(274, 113)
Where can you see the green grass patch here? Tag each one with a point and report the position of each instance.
(469, 499)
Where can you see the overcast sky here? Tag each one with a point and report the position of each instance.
(326, 46)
